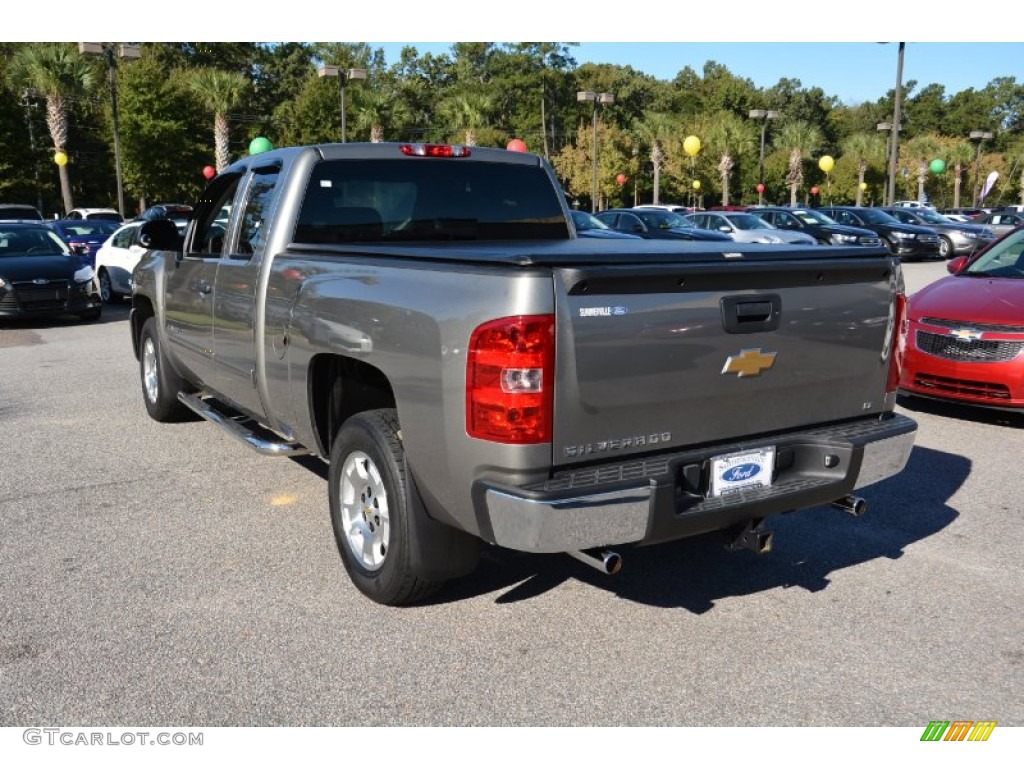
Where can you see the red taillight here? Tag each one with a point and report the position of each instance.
(510, 371)
(434, 150)
(898, 342)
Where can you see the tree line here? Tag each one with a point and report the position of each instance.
(185, 106)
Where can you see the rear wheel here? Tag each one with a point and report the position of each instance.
(370, 509)
(160, 384)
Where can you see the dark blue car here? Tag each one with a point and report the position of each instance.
(84, 236)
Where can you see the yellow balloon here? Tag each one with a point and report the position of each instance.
(60, 158)
(826, 163)
(696, 185)
(863, 185)
(691, 145)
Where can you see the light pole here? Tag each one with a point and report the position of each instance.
(894, 148)
(343, 75)
(765, 115)
(113, 52)
(978, 136)
(597, 98)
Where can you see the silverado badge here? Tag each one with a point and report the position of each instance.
(749, 362)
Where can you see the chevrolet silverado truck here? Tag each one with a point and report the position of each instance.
(424, 319)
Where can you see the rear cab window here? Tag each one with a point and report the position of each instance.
(370, 201)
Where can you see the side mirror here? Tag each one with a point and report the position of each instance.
(159, 235)
(954, 266)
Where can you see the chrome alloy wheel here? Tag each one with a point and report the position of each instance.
(150, 371)
(106, 289)
(364, 510)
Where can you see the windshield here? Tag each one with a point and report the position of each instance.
(1004, 259)
(874, 216)
(748, 221)
(932, 217)
(584, 221)
(31, 242)
(663, 219)
(87, 228)
(813, 217)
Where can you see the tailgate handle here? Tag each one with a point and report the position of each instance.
(751, 314)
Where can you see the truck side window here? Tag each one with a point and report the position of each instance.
(212, 216)
(252, 230)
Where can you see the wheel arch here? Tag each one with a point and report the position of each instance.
(339, 387)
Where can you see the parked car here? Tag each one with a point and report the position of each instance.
(95, 214)
(913, 204)
(588, 225)
(956, 238)
(40, 276)
(747, 228)
(176, 212)
(969, 213)
(908, 241)
(654, 224)
(116, 259)
(812, 222)
(1000, 223)
(965, 337)
(18, 212)
(680, 209)
(84, 237)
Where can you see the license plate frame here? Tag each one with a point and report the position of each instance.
(733, 472)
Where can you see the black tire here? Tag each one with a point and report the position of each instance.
(370, 509)
(160, 383)
(92, 315)
(106, 288)
(945, 247)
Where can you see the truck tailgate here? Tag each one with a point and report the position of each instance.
(653, 357)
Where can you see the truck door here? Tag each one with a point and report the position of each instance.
(189, 290)
(235, 307)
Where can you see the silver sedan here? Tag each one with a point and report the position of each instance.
(747, 228)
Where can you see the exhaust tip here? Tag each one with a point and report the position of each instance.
(606, 561)
(854, 505)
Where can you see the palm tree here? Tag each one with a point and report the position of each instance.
(923, 149)
(800, 138)
(59, 72)
(961, 154)
(467, 111)
(219, 92)
(729, 137)
(380, 110)
(864, 148)
(656, 130)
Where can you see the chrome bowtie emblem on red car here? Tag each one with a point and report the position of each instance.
(966, 334)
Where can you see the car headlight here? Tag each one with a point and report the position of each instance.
(83, 274)
(901, 236)
(837, 238)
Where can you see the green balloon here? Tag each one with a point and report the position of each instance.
(937, 166)
(260, 144)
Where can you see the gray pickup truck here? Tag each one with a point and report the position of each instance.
(424, 319)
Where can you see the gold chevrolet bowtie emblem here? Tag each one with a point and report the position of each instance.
(749, 362)
(966, 334)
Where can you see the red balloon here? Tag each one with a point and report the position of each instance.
(621, 179)
(760, 189)
(209, 171)
(516, 145)
(814, 190)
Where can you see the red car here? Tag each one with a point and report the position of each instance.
(964, 339)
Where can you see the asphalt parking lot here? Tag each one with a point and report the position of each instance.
(163, 575)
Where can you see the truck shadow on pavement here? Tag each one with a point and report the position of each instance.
(694, 573)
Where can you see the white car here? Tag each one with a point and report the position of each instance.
(747, 228)
(107, 214)
(912, 204)
(115, 261)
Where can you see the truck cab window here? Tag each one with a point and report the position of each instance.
(252, 229)
(212, 217)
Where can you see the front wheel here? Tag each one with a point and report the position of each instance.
(370, 509)
(106, 287)
(945, 247)
(160, 384)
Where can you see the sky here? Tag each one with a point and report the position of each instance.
(761, 41)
